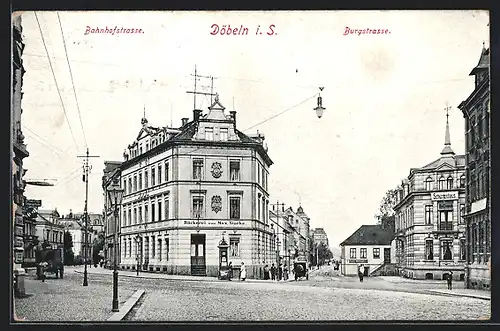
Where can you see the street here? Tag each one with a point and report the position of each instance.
(320, 298)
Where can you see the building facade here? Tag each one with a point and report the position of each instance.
(370, 245)
(319, 236)
(476, 111)
(430, 226)
(49, 231)
(18, 153)
(187, 188)
(82, 240)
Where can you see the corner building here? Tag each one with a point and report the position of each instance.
(430, 225)
(187, 188)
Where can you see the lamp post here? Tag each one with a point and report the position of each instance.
(137, 256)
(115, 194)
(320, 109)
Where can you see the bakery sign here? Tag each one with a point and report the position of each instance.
(444, 195)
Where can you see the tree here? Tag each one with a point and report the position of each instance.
(323, 253)
(387, 204)
(98, 246)
(69, 256)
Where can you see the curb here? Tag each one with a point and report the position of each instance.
(127, 307)
(212, 279)
(451, 294)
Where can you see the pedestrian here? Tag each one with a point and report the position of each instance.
(273, 272)
(101, 262)
(243, 272)
(42, 267)
(285, 272)
(230, 271)
(266, 272)
(450, 280)
(361, 270)
(280, 272)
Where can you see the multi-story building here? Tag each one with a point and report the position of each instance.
(370, 246)
(49, 231)
(18, 153)
(320, 236)
(283, 244)
(476, 111)
(300, 232)
(187, 188)
(111, 175)
(82, 240)
(430, 227)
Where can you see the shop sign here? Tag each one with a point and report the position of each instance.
(358, 261)
(214, 223)
(444, 195)
(30, 203)
(445, 205)
(19, 257)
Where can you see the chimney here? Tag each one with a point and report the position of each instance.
(184, 121)
(233, 116)
(196, 114)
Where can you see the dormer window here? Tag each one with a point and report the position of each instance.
(209, 133)
(140, 149)
(223, 134)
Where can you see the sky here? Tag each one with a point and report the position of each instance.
(385, 96)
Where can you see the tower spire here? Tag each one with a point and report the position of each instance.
(447, 141)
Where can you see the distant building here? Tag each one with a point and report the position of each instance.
(320, 236)
(76, 227)
(111, 175)
(370, 245)
(430, 226)
(50, 233)
(476, 111)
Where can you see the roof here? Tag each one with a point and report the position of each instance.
(484, 61)
(370, 235)
(41, 220)
(452, 161)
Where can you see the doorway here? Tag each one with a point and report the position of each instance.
(198, 261)
(387, 255)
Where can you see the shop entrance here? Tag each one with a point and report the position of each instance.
(198, 261)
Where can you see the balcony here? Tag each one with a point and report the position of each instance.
(448, 226)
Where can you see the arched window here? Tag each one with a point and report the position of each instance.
(462, 181)
(428, 184)
(449, 183)
(442, 183)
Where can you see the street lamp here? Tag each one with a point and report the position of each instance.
(137, 256)
(115, 195)
(320, 109)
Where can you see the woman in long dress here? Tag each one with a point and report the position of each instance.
(243, 272)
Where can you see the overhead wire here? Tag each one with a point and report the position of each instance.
(72, 80)
(43, 140)
(55, 81)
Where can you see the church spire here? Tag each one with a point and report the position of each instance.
(447, 142)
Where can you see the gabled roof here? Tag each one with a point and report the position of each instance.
(484, 61)
(370, 235)
(444, 162)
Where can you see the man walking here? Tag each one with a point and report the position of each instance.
(361, 270)
(449, 280)
(273, 272)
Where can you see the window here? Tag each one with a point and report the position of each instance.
(159, 211)
(428, 184)
(223, 134)
(166, 171)
(124, 249)
(234, 169)
(140, 182)
(167, 211)
(153, 248)
(129, 247)
(234, 207)
(446, 250)
(125, 187)
(197, 169)
(209, 133)
(445, 220)
(449, 183)
(481, 237)
(135, 183)
(159, 249)
(135, 215)
(461, 217)
(152, 211)
(352, 253)
(234, 246)
(258, 173)
(146, 213)
(362, 253)
(130, 185)
(140, 214)
(442, 183)
(428, 215)
(153, 179)
(167, 248)
(146, 179)
(376, 253)
(429, 250)
(462, 181)
(463, 250)
(130, 216)
(159, 174)
(197, 207)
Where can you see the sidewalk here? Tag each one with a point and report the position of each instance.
(469, 293)
(154, 275)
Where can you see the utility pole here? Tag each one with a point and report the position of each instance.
(195, 92)
(86, 171)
